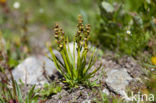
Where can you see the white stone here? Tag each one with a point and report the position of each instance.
(30, 71)
(117, 80)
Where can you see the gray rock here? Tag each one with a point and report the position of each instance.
(30, 71)
(117, 80)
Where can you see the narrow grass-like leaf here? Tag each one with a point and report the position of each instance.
(31, 93)
(78, 63)
(19, 93)
(93, 72)
(61, 63)
(66, 65)
(55, 61)
(91, 63)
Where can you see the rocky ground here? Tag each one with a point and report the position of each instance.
(115, 77)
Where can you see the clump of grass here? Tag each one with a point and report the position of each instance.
(75, 70)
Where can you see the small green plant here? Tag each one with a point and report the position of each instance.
(49, 89)
(75, 70)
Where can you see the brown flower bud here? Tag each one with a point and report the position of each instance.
(80, 36)
(56, 36)
(85, 39)
(56, 29)
(88, 31)
(79, 32)
(56, 25)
